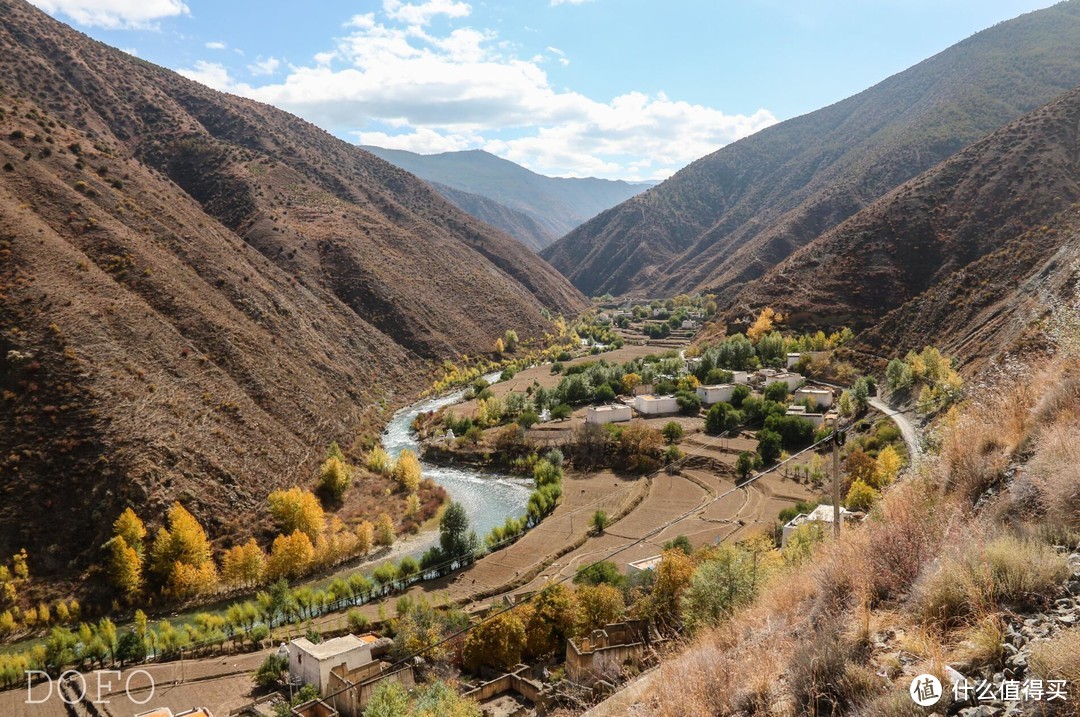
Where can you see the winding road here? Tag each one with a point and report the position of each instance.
(908, 432)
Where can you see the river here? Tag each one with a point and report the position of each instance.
(489, 498)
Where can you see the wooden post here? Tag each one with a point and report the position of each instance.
(836, 483)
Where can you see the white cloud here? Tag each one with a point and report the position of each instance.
(421, 141)
(422, 13)
(401, 84)
(215, 45)
(115, 14)
(264, 67)
(569, 2)
(212, 74)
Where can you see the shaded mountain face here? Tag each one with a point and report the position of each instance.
(728, 218)
(517, 224)
(966, 256)
(555, 204)
(199, 292)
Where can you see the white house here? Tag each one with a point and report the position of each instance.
(644, 564)
(742, 377)
(822, 514)
(793, 359)
(689, 324)
(815, 418)
(311, 663)
(821, 397)
(719, 393)
(650, 405)
(615, 413)
(791, 380)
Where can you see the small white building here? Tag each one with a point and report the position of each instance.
(793, 359)
(719, 393)
(742, 377)
(791, 380)
(818, 419)
(638, 566)
(820, 397)
(310, 663)
(615, 413)
(650, 405)
(822, 514)
(689, 324)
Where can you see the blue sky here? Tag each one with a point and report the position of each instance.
(631, 89)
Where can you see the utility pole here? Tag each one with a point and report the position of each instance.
(837, 441)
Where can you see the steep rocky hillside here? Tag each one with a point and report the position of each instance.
(556, 204)
(966, 255)
(199, 292)
(730, 217)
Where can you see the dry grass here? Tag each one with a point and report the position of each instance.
(983, 644)
(1055, 473)
(1059, 659)
(981, 577)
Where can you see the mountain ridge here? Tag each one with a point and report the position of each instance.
(727, 218)
(556, 204)
(200, 292)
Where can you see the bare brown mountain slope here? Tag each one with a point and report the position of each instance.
(728, 218)
(199, 292)
(965, 256)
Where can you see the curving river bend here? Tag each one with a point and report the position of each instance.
(489, 498)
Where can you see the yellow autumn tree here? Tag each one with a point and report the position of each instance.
(298, 509)
(412, 505)
(243, 565)
(365, 537)
(125, 567)
(188, 581)
(630, 381)
(384, 530)
(290, 556)
(129, 527)
(378, 461)
(407, 471)
(335, 477)
(764, 324)
(184, 542)
(886, 467)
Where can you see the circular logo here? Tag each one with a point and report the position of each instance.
(925, 690)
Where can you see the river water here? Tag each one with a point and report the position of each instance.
(489, 498)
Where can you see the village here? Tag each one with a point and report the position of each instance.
(704, 480)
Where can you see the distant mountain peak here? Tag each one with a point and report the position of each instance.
(531, 207)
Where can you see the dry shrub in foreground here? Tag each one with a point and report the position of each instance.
(881, 559)
(1055, 473)
(978, 578)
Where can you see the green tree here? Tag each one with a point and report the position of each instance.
(672, 431)
(722, 417)
(603, 572)
(388, 700)
(898, 376)
(599, 522)
(561, 412)
(456, 540)
(271, 671)
(776, 391)
(769, 446)
(744, 465)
